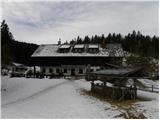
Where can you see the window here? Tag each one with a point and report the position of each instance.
(79, 50)
(65, 70)
(94, 50)
(90, 50)
(57, 70)
(80, 71)
(98, 69)
(50, 70)
(91, 70)
(72, 71)
(43, 70)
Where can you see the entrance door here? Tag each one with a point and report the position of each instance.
(72, 72)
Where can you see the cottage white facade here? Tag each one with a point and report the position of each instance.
(67, 69)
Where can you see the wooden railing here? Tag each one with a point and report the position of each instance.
(150, 88)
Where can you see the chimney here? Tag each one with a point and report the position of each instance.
(59, 42)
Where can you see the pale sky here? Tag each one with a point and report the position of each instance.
(44, 22)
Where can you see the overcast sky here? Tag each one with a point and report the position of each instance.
(46, 22)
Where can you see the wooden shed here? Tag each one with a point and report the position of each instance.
(115, 82)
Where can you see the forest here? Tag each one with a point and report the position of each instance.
(12, 50)
(135, 42)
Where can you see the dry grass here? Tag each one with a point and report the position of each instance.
(126, 107)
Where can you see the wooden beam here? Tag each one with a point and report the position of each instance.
(112, 65)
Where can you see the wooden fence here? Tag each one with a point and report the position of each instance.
(150, 88)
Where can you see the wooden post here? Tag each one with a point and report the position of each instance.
(104, 83)
(34, 71)
(113, 93)
(152, 88)
(131, 92)
(104, 87)
(88, 68)
(92, 85)
(135, 90)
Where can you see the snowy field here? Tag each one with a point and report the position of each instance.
(61, 98)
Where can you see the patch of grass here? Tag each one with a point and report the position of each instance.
(130, 116)
(128, 112)
(113, 102)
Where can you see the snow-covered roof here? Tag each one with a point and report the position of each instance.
(17, 64)
(65, 46)
(51, 50)
(79, 46)
(115, 72)
(112, 73)
(93, 46)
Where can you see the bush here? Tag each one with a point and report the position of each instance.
(4, 72)
(149, 67)
(37, 74)
(52, 75)
(42, 75)
(28, 74)
(16, 74)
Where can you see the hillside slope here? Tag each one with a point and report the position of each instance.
(12, 50)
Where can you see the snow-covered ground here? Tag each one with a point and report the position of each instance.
(61, 98)
(149, 107)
